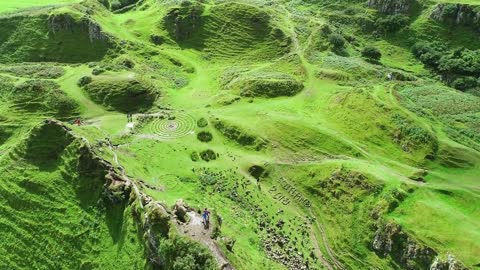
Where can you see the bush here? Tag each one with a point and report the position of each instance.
(84, 81)
(325, 30)
(202, 122)
(371, 53)
(458, 67)
(180, 253)
(156, 39)
(428, 53)
(391, 23)
(204, 136)
(98, 71)
(337, 40)
(208, 155)
(194, 156)
(464, 83)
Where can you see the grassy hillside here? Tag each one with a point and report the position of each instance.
(319, 134)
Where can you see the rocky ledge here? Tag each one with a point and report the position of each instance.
(457, 14)
(392, 241)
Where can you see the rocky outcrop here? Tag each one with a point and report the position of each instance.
(457, 14)
(65, 22)
(391, 241)
(182, 22)
(449, 264)
(180, 210)
(392, 6)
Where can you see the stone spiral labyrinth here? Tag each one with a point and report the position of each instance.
(167, 129)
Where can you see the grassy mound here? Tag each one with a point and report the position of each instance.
(387, 130)
(125, 92)
(39, 96)
(226, 30)
(239, 136)
(57, 37)
(353, 68)
(297, 141)
(261, 84)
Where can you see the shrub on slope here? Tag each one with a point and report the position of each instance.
(34, 70)
(458, 111)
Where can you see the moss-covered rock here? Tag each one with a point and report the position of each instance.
(183, 21)
(457, 14)
(391, 240)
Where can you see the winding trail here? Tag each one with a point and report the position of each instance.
(331, 254)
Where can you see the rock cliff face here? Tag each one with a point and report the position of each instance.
(457, 14)
(449, 264)
(391, 240)
(392, 6)
(65, 22)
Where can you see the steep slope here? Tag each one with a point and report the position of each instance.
(319, 135)
(42, 36)
(54, 213)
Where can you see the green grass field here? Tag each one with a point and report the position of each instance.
(305, 152)
(11, 6)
